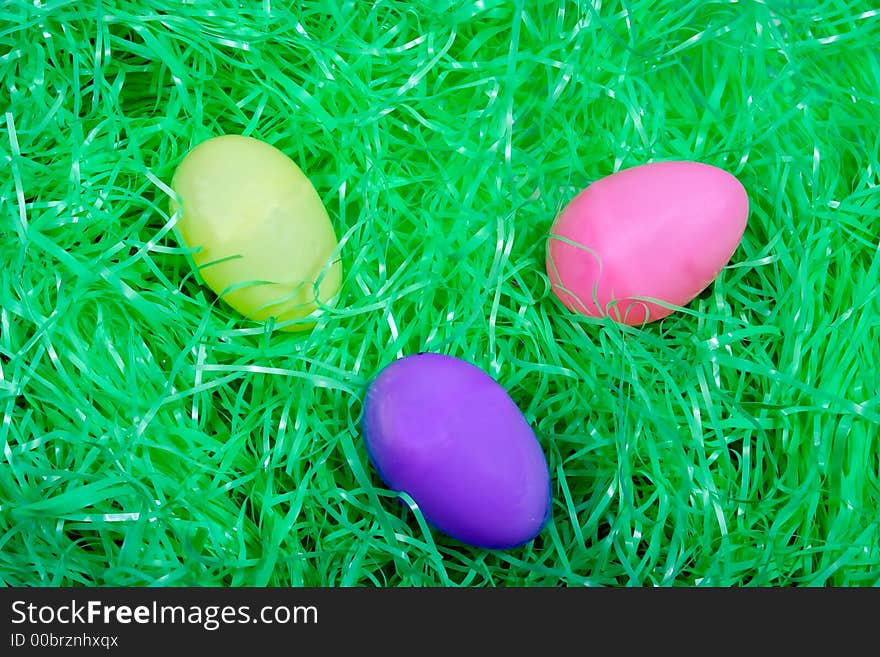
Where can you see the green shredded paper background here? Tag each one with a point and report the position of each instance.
(150, 435)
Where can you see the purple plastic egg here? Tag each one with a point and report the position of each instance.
(444, 432)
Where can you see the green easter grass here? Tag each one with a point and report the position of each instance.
(151, 436)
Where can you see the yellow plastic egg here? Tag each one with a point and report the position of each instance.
(262, 234)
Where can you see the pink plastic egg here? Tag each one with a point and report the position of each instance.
(658, 231)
